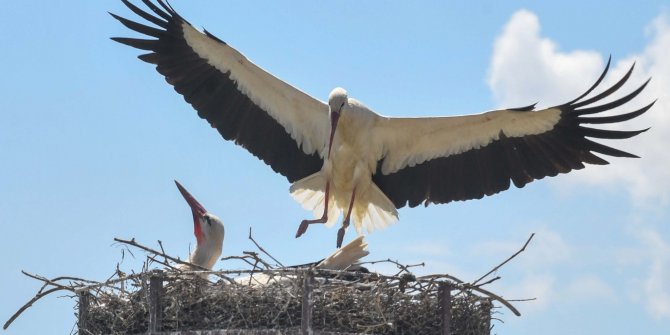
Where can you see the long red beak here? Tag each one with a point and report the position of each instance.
(334, 117)
(196, 208)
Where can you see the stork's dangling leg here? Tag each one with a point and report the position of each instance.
(324, 218)
(345, 223)
(334, 117)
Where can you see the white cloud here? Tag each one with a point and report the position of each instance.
(589, 288)
(527, 67)
(656, 286)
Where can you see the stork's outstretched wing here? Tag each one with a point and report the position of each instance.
(442, 159)
(273, 120)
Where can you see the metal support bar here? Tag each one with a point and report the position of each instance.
(486, 307)
(82, 322)
(155, 302)
(444, 307)
(306, 319)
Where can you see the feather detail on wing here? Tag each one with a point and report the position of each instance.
(443, 159)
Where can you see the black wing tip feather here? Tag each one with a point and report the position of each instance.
(210, 35)
(600, 79)
(165, 11)
(137, 43)
(577, 103)
(580, 107)
(616, 118)
(528, 108)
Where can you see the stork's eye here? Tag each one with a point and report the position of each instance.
(209, 221)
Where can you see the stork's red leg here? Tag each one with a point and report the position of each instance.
(345, 223)
(324, 218)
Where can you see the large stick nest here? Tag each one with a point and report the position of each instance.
(369, 304)
(265, 296)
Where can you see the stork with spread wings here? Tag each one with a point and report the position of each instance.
(343, 158)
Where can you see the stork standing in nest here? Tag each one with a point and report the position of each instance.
(209, 233)
(342, 158)
(208, 230)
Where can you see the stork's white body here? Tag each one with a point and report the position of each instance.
(352, 162)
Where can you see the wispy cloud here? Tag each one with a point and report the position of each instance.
(527, 67)
(589, 287)
(656, 285)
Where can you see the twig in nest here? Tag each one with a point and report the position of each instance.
(493, 296)
(167, 257)
(166, 264)
(242, 258)
(257, 259)
(28, 304)
(488, 281)
(263, 250)
(505, 262)
(156, 252)
(402, 267)
(160, 244)
(41, 293)
(527, 299)
(47, 282)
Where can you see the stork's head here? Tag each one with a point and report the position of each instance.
(337, 101)
(207, 227)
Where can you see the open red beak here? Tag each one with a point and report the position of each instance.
(196, 208)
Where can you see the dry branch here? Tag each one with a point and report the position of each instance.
(263, 250)
(505, 262)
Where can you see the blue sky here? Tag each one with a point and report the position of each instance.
(91, 139)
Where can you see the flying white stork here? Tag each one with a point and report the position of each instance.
(344, 158)
(208, 230)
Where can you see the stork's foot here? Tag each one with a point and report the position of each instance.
(302, 228)
(305, 223)
(340, 237)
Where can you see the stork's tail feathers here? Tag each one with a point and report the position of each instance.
(344, 257)
(310, 192)
(372, 208)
